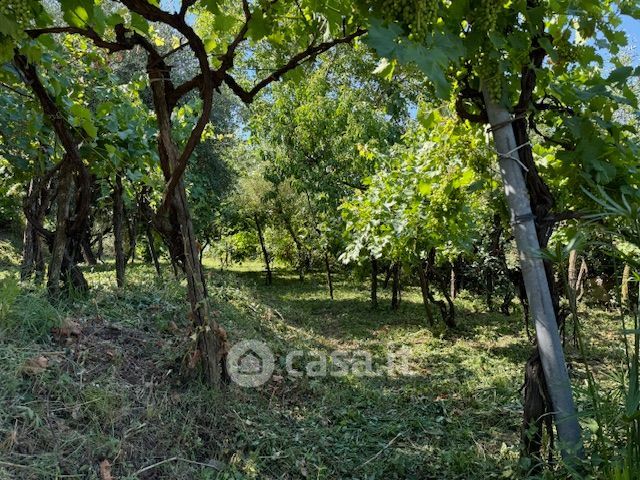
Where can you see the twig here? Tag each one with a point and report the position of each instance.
(380, 451)
(174, 459)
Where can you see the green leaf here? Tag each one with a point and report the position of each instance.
(77, 13)
(139, 23)
(8, 27)
(89, 127)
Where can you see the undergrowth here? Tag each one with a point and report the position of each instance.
(116, 385)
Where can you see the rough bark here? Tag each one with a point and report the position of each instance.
(65, 242)
(60, 240)
(174, 222)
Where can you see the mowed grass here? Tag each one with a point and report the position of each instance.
(117, 386)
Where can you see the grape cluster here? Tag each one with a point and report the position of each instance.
(567, 52)
(18, 11)
(416, 16)
(486, 15)
(488, 69)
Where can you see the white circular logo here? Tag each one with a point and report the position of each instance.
(250, 363)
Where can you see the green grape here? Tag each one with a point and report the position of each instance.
(416, 16)
(488, 70)
(486, 15)
(567, 51)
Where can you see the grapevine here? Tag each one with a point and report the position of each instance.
(486, 15)
(488, 69)
(567, 52)
(416, 16)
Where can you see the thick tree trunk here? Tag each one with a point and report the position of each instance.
(374, 282)
(64, 243)
(535, 278)
(118, 220)
(173, 220)
(60, 240)
(265, 252)
(212, 340)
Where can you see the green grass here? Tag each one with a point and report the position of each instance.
(121, 391)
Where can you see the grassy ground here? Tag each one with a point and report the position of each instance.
(107, 377)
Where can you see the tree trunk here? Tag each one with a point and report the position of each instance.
(582, 275)
(100, 250)
(173, 220)
(387, 276)
(118, 219)
(60, 240)
(374, 282)
(535, 278)
(64, 243)
(87, 253)
(152, 251)
(452, 282)
(30, 245)
(133, 237)
(212, 340)
(327, 264)
(626, 274)
(395, 294)
(265, 252)
(496, 255)
(424, 288)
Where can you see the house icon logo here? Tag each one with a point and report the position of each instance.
(250, 363)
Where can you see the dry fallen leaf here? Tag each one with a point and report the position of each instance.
(68, 328)
(194, 359)
(105, 470)
(35, 365)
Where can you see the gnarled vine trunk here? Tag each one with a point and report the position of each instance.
(73, 188)
(173, 221)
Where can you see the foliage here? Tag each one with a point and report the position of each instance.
(423, 196)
